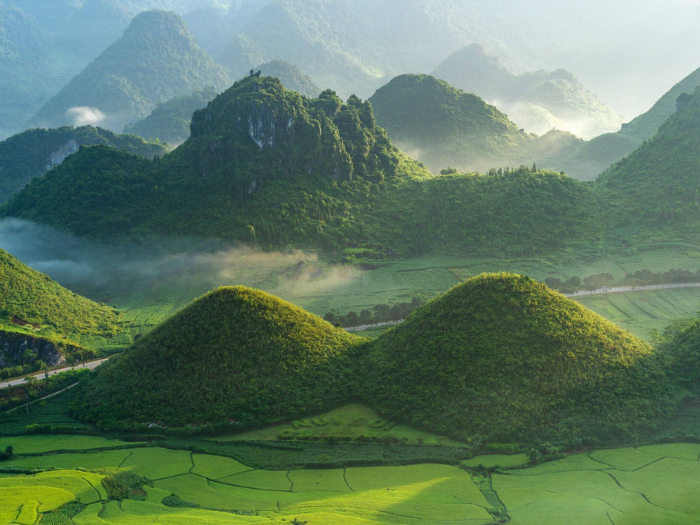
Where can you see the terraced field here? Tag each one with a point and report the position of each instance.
(655, 485)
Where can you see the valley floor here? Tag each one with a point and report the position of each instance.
(654, 485)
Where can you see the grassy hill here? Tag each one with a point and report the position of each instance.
(170, 121)
(537, 101)
(504, 357)
(59, 313)
(236, 355)
(32, 153)
(443, 126)
(657, 185)
(155, 60)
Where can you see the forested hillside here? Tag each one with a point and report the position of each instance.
(155, 60)
(170, 121)
(32, 153)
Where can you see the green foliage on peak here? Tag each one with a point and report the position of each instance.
(155, 60)
(237, 355)
(170, 121)
(30, 154)
(444, 126)
(59, 313)
(504, 357)
(292, 78)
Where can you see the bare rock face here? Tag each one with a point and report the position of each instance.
(24, 349)
(62, 153)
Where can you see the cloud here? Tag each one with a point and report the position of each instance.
(85, 116)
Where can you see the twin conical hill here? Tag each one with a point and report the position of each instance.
(505, 357)
(236, 355)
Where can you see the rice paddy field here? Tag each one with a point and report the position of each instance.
(655, 485)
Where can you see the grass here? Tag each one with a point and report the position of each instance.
(51, 443)
(497, 460)
(216, 467)
(350, 421)
(585, 489)
(89, 460)
(157, 463)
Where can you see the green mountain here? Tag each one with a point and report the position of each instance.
(32, 153)
(268, 167)
(32, 297)
(538, 101)
(503, 357)
(657, 185)
(291, 76)
(29, 68)
(443, 126)
(263, 165)
(681, 343)
(597, 155)
(236, 355)
(155, 60)
(170, 121)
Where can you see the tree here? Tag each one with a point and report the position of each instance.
(396, 313)
(365, 317)
(330, 317)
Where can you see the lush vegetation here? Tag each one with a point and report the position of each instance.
(155, 60)
(655, 186)
(234, 355)
(538, 101)
(444, 126)
(504, 356)
(32, 153)
(57, 313)
(170, 121)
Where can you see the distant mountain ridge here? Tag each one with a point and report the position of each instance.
(155, 60)
(538, 101)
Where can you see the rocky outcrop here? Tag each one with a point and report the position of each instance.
(62, 153)
(23, 349)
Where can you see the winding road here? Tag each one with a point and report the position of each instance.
(40, 376)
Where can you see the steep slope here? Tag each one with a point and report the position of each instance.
(155, 60)
(29, 68)
(263, 165)
(538, 101)
(597, 155)
(504, 357)
(236, 355)
(170, 121)
(443, 126)
(34, 298)
(658, 184)
(682, 345)
(32, 153)
(291, 77)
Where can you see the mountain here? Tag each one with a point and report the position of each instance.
(30, 154)
(503, 357)
(597, 155)
(291, 76)
(29, 68)
(268, 167)
(170, 121)
(263, 165)
(657, 185)
(31, 298)
(538, 102)
(236, 355)
(155, 60)
(443, 126)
